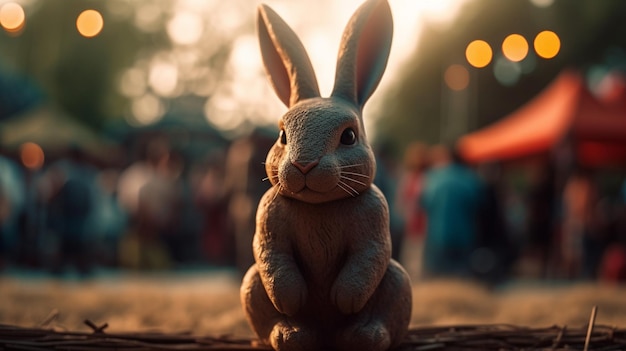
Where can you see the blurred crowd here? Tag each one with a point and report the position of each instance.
(490, 222)
(160, 209)
(163, 210)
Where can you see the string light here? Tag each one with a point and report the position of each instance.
(515, 47)
(478, 53)
(547, 44)
(12, 17)
(89, 23)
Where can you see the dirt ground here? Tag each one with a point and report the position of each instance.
(207, 303)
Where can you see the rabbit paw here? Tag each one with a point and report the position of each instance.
(372, 336)
(285, 336)
(288, 298)
(349, 297)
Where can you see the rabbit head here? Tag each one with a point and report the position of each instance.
(322, 153)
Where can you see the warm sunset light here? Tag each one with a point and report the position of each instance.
(31, 155)
(12, 17)
(185, 28)
(478, 53)
(456, 77)
(89, 23)
(515, 47)
(547, 44)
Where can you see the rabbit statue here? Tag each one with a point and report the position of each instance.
(324, 277)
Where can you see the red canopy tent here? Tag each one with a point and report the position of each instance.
(566, 108)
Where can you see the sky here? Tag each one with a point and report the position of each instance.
(195, 28)
(320, 25)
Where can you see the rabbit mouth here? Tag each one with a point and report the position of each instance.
(322, 183)
(306, 194)
(330, 192)
(311, 186)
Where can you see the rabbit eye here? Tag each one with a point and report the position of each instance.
(283, 137)
(348, 137)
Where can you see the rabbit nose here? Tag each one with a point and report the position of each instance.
(305, 167)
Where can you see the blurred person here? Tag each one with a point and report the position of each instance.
(163, 199)
(385, 179)
(70, 206)
(579, 238)
(541, 226)
(451, 198)
(210, 197)
(144, 192)
(407, 201)
(612, 268)
(12, 202)
(495, 255)
(110, 219)
(245, 175)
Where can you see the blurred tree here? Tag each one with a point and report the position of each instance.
(78, 74)
(84, 76)
(17, 94)
(418, 106)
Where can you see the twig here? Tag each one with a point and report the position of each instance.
(559, 337)
(54, 314)
(592, 322)
(96, 329)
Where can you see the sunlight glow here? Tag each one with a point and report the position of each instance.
(515, 47)
(147, 109)
(163, 78)
(478, 53)
(148, 17)
(89, 23)
(12, 17)
(133, 82)
(542, 3)
(547, 44)
(185, 28)
(32, 156)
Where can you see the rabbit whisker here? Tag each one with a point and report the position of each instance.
(353, 180)
(344, 185)
(346, 190)
(348, 166)
(270, 177)
(355, 174)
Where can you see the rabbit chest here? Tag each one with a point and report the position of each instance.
(322, 237)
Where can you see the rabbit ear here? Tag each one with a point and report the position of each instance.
(363, 52)
(286, 61)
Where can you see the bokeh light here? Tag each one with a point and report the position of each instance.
(163, 78)
(12, 17)
(89, 23)
(515, 47)
(547, 44)
(507, 72)
(133, 82)
(32, 156)
(185, 28)
(147, 109)
(478, 53)
(542, 3)
(456, 77)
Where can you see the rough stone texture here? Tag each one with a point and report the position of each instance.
(323, 276)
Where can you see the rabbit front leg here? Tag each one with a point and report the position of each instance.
(277, 268)
(283, 282)
(360, 276)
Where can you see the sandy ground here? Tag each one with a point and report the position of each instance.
(207, 303)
